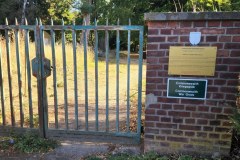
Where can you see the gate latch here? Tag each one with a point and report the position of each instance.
(46, 69)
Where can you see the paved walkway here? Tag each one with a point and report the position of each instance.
(73, 150)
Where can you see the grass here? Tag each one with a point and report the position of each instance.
(26, 143)
(146, 156)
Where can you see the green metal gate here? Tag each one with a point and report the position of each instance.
(70, 95)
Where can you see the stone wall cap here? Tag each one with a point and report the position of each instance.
(188, 16)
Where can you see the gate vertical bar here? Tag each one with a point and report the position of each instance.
(117, 77)
(128, 77)
(44, 86)
(2, 90)
(41, 81)
(85, 76)
(107, 76)
(96, 74)
(65, 77)
(28, 75)
(140, 82)
(74, 43)
(9, 65)
(19, 74)
(54, 75)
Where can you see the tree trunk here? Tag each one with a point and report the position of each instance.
(23, 12)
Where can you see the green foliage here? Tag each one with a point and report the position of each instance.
(185, 157)
(235, 119)
(27, 143)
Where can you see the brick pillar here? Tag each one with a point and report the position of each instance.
(185, 125)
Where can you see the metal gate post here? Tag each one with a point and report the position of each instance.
(41, 69)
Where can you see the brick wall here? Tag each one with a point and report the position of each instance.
(185, 125)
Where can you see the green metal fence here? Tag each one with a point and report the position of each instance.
(43, 103)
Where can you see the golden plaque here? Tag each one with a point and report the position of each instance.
(200, 61)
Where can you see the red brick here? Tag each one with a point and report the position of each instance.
(223, 53)
(225, 39)
(236, 39)
(221, 68)
(172, 39)
(155, 53)
(164, 144)
(227, 24)
(167, 106)
(191, 128)
(162, 74)
(156, 39)
(152, 47)
(177, 139)
(203, 115)
(234, 68)
(168, 100)
(165, 131)
(163, 60)
(190, 121)
(206, 128)
(202, 121)
(149, 136)
(151, 74)
(237, 24)
(212, 31)
(199, 24)
(154, 67)
(149, 111)
(152, 60)
(228, 89)
(221, 129)
(156, 24)
(214, 23)
(222, 116)
(189, 134)
(217, 96)
(233, 31)
(212, 102)
(151, 131)
(228, 110)
(231, 97)
(214, 136)
(178, 107)
(178, 114)
(179, 133)
(233, 82)
(165, 119)
(223, 143)
(161, 112)
(201, 134)
(183, 31)
(151, 118)
(235, 53)
(151, 86)
(162, 138)
(216, 110)
(190, 101)
(218, 45)
(184, 38)
(212, 89)
(149, 124)
(153, 32)
(166, 31)
(154, 106)
(166, 125)
(154, 80)
(211, 38)
(203, 108)
(219, 82)
(215, 123)
(229, 75)
(191, 108)
(173, 24)
(185, 24)
(232, 46)
(226, 124)
(231, 61)
(177, 120)
(188, 146)
(165, 45)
